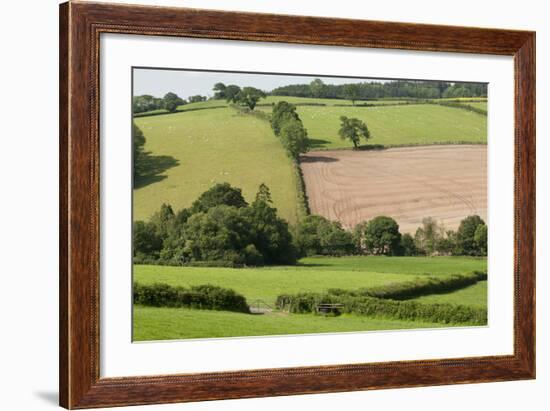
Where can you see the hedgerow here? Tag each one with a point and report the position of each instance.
(412, 289)
(205, 297)
(385, 301)
(379, 307)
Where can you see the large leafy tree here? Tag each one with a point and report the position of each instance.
(354, 130)
(249, 97)
(171, 101)
(465, 235)
(219, 194)
(317, 235)
(379, 236)
(294, 138)
(281, 113)
(219, 90)
(231, 92)
(480, 238)
(138, 150)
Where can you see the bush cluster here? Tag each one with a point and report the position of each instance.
(219, 229)
(205, 297)
(386, 308)
(288, 126)
(463, 106)
(417, 288)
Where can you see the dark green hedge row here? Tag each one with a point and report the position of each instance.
(417, 288)
(379, 307)
(185, 110)
(463, 106)
(262, 115)
(206, 297)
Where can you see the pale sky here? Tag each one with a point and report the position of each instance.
(158, 82)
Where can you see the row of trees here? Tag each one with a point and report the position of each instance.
(391, 89)
(288, 126)
(315, 235)
(170, 102)
(246, 96)
(221, 228)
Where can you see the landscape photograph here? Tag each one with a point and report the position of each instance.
(272, 204)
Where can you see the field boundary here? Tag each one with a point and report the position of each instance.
(303, 209)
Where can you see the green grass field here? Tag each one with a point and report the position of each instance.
(480, 105)
(153, 323)
(396, 125)
(315, 274)
(474, 295)
(213, 146)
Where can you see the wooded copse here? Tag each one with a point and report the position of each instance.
(222, 229)
(378, 90)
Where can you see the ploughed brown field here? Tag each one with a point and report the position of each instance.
(446, 182)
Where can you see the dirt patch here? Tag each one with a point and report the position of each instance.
(447, 182)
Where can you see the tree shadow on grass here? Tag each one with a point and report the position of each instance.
(317, 143)
(366, 147)
(312, 265)
(317, 159)
(149, 169)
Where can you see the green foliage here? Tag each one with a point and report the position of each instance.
(206, 297)
(220, 229)
(390, 89)
(466, 236)
(222, 233)
(315, 274)
(248, 96)
(219, 194)
(396, 124)
(379, 236)
(171, 102)
(294, 137)
(138, 151)
(219, 91)
(353, 129)
(315, 235)
(379, 307)
(407, 246)
(422, 286)
(231, 92)
(144, 103)
(272, 239)
(480, 238)
(196, 98)
(428, 235)
(281, 113)
(463, 106)
(147, 243)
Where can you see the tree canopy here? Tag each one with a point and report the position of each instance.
(379, 236)
(354, 130)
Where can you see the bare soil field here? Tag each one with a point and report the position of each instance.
(446, 182)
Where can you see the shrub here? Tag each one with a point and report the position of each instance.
(379, 307)
(219, 194)
(378, 236)
(206, 297)
(465, 236)
(315, 235)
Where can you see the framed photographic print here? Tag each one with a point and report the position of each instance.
(258, 205)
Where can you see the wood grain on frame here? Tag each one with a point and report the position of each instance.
(80, 27)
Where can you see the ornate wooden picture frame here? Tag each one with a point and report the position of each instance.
(81, 25)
